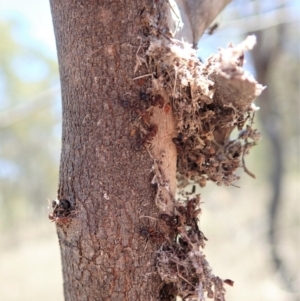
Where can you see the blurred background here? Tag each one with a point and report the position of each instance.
(253, 231)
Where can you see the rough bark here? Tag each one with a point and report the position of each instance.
(138, 106)
(105, 173)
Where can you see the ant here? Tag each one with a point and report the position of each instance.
(150, 233)
(144, 116)
(59, 220)
(61, 212)
(192, 212)
(191, 215)
(158, 100)
(171, 221)
(144, 96)
(229, 282)
(212, 28)
(178, 141)
(152, 131)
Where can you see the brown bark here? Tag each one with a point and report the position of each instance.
(105, 172)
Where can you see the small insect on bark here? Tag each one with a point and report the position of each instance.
(138, 145)
(63, 220)
(61, 213)
(141, 81)
(171, 221)
(158, 100)
(212, 28)
(229, 282)
(125, 104)
(178, 141)
(144, 96)
(150, 233)
(152, 131)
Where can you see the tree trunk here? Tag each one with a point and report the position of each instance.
(105, 173)
(133, 98)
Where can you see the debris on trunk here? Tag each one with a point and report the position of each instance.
(208, 101)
